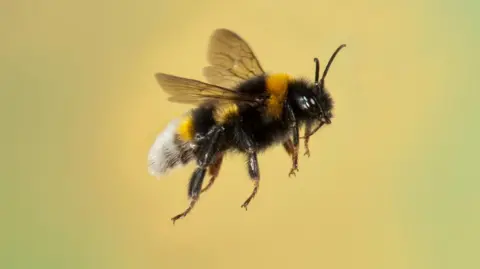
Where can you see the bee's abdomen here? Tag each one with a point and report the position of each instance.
(196, 123)
(169, 151)
(174, 147)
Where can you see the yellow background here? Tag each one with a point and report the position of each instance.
(392, 183)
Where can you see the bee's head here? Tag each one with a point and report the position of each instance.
(325, 103)
(320, 103)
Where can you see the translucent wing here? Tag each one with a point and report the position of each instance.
(189, 91)
(231, 60)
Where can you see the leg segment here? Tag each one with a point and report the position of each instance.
(308, 129)
(193, 188)
(249, 146)
(288, 146)
(308, 133)
(204, 159)
(213, 170)
(295, 142)
(254, 173)
(290, 149)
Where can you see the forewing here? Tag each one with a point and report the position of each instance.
(190, 91)
(231, 60)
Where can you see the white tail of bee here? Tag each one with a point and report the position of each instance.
(167, 152)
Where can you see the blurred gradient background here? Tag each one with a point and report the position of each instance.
(392, 183)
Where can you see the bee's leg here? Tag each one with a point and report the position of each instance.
(205, 156)
(254, 173)
(213, 170)
(288, 146)
(248, 144)
(295, 142)
(193, 189)
(308, 129)
(290, 149)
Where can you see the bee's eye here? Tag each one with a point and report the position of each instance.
(308, 104)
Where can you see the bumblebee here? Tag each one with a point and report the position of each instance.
(240, 109)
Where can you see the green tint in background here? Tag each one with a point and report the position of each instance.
(392, 183)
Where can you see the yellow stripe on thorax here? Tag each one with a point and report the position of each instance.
(185, 128)
(223, 112)
(277, 86)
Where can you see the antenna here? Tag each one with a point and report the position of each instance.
(329, 63)
(317, 74)
(317, 69)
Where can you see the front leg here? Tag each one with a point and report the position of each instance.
(309, 133)
(294, 127)
(308, 129)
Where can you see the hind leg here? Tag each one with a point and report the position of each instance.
(213, 170)
(193, 191)
(205, 154)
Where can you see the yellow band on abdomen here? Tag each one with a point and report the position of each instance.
(185, 129)
(223, 112)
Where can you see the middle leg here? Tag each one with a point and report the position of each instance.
(249, 147)
(254, 173)
(288, 146)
